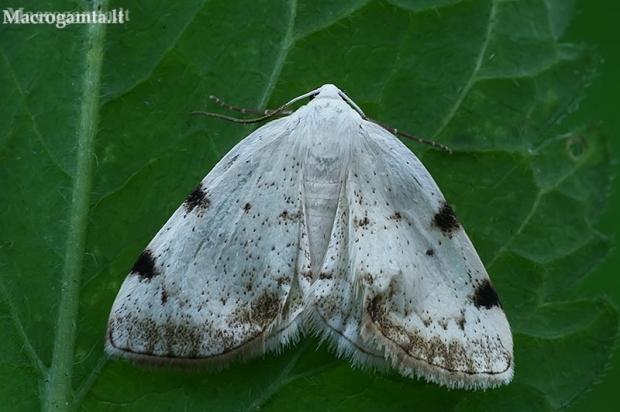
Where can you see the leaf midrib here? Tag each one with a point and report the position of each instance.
(57, 390)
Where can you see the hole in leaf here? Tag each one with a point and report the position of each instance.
(576, 147)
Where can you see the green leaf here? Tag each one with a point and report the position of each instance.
(86, 181)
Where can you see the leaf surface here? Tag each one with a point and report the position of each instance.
(490, 79)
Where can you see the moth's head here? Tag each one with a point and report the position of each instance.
(327, 91)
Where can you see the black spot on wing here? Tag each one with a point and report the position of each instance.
(430, 252)
(485, 295)
(145, 266)
(361, 222)
(446, 220)
(461, 323)
(396, 216)
(373, 307)
(198, 198)
(294, 217)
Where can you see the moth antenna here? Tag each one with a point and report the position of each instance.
(268, 114)
(394, 130)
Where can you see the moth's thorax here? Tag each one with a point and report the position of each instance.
(329, 131)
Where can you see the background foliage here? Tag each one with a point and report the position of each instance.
(595, 24)
(497, 81)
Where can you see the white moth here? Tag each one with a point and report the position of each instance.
(319, 222)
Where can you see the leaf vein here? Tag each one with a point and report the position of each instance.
(474, 75)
